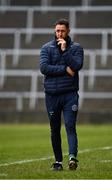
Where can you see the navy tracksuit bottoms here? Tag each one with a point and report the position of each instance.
(68, 104)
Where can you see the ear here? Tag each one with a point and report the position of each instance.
(68, 31)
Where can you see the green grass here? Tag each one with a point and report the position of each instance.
(26, 142)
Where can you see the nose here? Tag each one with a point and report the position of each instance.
(60, 34)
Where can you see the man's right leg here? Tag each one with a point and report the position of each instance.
(54, 113)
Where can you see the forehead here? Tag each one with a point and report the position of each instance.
(60, 26)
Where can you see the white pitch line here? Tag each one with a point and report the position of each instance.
(26, 161)
(106, 161)
(51, 157)
(3, 174)
(95, 149)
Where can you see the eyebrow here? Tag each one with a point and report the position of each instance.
(59, 30)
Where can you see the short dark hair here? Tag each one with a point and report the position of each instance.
(62, 22)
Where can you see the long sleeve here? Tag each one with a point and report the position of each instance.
(74, 58)
(47, 68)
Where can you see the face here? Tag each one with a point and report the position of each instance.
(61, 31)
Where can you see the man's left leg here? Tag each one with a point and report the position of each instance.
(70, 115)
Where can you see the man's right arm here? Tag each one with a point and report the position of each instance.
(48, 69)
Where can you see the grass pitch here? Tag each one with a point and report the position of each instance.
(26, 153)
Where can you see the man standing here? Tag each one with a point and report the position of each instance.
(60, 61)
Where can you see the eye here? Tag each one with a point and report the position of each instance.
(57, 31)
(62, 31)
